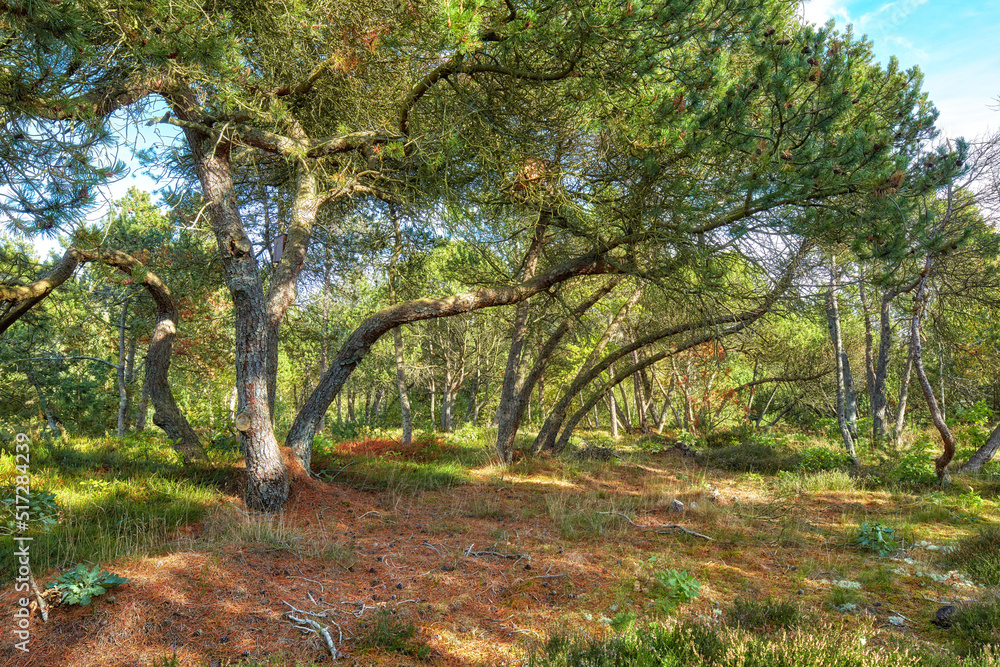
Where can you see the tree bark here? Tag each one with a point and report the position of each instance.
(904, 389)
(508, 413)
(509, 430)
(550, 428)
(947, 439)
(267, 478)
(120, 372)
(845, 387)
(984, 454)
(406, 415)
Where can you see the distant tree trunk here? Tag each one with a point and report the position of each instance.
(472, 410)
(140, 419)
(948, 440)
(508, 411)
(121, 372)
(904, 388)
(406, 415)
(985, 453)
(613, 411)
(447, 401)
(433, 393)
(49, 418)
(846, 399)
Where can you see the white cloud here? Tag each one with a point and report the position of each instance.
(821, 11)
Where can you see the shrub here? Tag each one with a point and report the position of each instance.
(978, 556)
(816, 459)
(765, 615)
(876, 537)
(668, 588)
(754, 456)
(42, 509)
(80, 585)
(915, 469)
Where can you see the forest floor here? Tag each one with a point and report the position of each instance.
(436, 555)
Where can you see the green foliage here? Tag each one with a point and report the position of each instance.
(390, 631)
(978, 556)
(727, 437)
(43, 511)
(914, 469)
(81, 584)
(623, 621)
(878, 538)
(763, 615)
(815, 459)
(669, 588)
(757, 455)
(979, 414)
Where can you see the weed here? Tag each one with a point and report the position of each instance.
(667, 588)
(80, 585)
(979, 556)
(805, 483)
(878, 538)
(623, 621)
(765, 615)
(390, 632)
(42, 510)
(818, 458)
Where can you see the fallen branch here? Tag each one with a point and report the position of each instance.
(665, 526)
(42, 606)
(480, 554)
(310, 625)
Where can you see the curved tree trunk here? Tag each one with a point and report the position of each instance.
(947, 439)
(550, 428)
(984, 454)
(368, 332)
(506, 432)
(510, 409)
(168, 416)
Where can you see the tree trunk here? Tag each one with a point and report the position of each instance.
(613, 413)
(508, 411)
(368, 332)
(546, 437)
(507, 432)
(140, 418)
(947, 439)
(845, 388)
(904, 388)
(472, 410)
(984, 454)
(267, 478)
(404, 396)
(120, 372)
(49, 418)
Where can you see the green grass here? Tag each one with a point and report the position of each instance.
(977, 625)
(696, 645)
(392, 632)
(978, 556)
(117, 499)
(765, 615)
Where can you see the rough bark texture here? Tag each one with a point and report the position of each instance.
(904, 390)
(267, 478)
(368, 332)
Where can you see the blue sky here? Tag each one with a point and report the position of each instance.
(953, 42)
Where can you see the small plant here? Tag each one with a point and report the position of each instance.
(42, 509)
(80, 585)
(623, 621)
(844, 598)
(670, 588)
(876, 537)
(914, 469)
(765, 615)
(388, 632)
